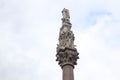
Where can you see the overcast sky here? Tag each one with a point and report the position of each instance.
(29, 32)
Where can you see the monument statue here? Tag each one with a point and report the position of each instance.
(66, 51)
(67, 54)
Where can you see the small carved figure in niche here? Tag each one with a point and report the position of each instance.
(70, 39)
(66, 39)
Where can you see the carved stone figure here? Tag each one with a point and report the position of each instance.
(65, 14)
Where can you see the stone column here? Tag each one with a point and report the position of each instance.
(68, 72)
(67, 54)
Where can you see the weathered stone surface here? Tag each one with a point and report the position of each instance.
(66, 51)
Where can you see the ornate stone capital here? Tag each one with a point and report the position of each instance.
(67, 56)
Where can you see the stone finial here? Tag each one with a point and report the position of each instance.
(65, 13)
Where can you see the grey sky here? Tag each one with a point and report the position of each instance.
(29, 33)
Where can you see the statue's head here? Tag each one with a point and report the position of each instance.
(65, 10)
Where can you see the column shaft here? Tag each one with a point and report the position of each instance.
(68, 72)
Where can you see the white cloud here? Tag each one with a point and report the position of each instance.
(97, 50)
